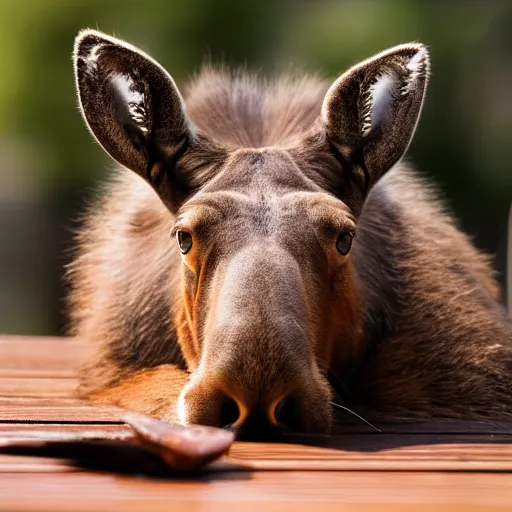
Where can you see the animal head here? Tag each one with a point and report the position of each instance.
(269, 294)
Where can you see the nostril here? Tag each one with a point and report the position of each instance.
(229, 412)
(287, 413)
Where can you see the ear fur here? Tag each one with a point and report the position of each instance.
(131, 105)
(370, 112)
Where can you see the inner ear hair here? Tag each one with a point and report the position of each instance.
(370, 112)
(133, 108)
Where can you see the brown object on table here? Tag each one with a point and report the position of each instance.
(182, 448)
(441, 465)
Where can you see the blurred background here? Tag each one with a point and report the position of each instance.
(50, 167)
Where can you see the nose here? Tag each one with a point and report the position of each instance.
(286, 413)
(257, 404)
(277, 417)
(259, 420)
(229, 412)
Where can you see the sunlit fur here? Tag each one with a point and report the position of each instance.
(263, 305)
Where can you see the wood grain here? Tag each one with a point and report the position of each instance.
(37, 386)
(19, 432)
(43, 354)
(60, 413)
(441, 465)
(297, 491)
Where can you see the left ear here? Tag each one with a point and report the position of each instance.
(371, 111)
(135, 111)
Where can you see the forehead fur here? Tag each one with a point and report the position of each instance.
(269, 170)
(239, 109)
(266, 189)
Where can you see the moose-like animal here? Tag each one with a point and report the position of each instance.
(262, 252)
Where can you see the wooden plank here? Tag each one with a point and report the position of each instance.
(16, 386)
(297, 491)
(19, 432)
(356, 468)
(43, 354)
(277, 451)
(477, 464)
(480, 457)
(30, 401)
(433, 457)
(60, 414)
(11, 373)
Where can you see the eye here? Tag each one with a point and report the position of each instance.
(184, 239)
(344, 243)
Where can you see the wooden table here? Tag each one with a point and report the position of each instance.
(442, 466)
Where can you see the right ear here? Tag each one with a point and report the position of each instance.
(134, 110)
(370, 115)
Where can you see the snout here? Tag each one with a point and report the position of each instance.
(300, 407)
(257, 371)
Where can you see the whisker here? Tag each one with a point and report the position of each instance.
(356, 415)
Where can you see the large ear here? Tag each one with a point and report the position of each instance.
(133, 108)
(371, 111)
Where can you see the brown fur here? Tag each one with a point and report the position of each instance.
(409, 324)
(161, 385)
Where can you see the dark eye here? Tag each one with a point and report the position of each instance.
(184, 239)
(344, 243)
